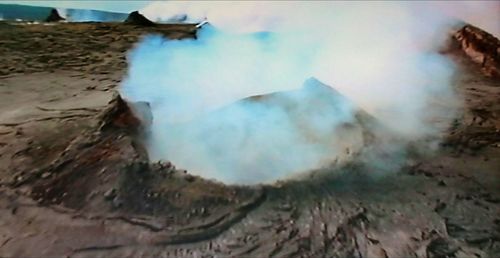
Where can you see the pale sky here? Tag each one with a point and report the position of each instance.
(114, 6)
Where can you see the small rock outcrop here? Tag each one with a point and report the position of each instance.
(135, 18)
(481, 47)
(54, 16)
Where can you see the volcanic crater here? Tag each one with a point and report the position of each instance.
(77, 180)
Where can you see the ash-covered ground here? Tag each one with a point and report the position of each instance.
(75, 179)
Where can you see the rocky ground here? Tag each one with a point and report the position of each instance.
(75, 180)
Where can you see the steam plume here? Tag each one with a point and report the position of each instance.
(380, 55)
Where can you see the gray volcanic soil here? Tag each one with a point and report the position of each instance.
(75, 180)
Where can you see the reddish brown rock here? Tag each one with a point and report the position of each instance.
(482, 48)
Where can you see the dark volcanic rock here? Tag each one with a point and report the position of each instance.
(54, 16)
(135, 18)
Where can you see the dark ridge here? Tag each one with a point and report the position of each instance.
(54, 16)
(135, 18)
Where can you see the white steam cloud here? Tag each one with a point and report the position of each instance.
(380, 55)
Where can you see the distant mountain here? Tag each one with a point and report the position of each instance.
(39, 13)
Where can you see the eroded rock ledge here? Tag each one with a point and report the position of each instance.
(482, 48)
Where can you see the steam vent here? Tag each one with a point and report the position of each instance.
(276, 131)
(316, 116)
(135, 18)
(54, 16)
